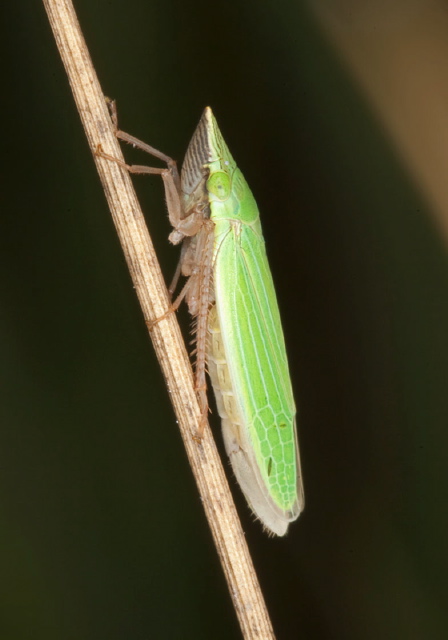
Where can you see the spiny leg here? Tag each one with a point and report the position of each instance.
(199, 299)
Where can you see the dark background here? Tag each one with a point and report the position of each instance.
(102, 534)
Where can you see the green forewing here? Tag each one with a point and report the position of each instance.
(252, 334)
(251, 327)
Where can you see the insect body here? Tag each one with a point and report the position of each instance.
(239, 337)
(244, 342)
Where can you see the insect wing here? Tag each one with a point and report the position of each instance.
(263, 448)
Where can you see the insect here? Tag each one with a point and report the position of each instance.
(238, 333)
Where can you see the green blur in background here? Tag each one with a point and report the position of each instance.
(102, 534)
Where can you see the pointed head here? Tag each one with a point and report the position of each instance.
(207, 149)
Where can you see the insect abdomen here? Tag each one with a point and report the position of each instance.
(220, 376)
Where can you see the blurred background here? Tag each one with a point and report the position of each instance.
(337, 113)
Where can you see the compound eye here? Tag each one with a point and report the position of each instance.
(220, 185)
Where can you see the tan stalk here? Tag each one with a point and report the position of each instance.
(166, 337)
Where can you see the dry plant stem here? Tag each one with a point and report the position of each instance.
(147, 278)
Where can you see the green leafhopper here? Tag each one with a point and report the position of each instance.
(238, 333)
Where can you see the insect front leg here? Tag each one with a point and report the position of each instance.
(186, 224)
(169, 175)
(139, 144)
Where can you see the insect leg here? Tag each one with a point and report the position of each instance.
(199, 299)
